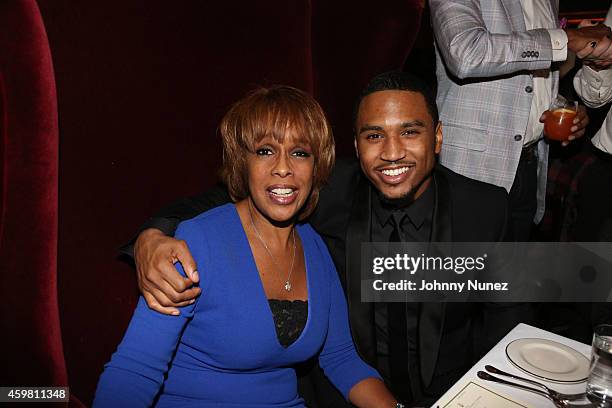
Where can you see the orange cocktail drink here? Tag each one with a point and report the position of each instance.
(559, 122)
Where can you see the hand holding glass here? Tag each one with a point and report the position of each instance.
(560, 119)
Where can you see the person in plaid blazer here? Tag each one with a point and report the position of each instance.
(496, 75)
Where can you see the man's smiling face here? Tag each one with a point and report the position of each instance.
(397, 142)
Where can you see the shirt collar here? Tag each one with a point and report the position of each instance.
(416, 212)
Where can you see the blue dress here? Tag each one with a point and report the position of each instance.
(223, 350)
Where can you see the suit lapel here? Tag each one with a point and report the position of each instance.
(514, 11)
(553, 9)
(432, 315)
(361, 314)
(441, 229)
(554, 5)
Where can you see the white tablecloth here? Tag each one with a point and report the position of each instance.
(497, 358)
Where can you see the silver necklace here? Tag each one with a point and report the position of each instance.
(288, 281)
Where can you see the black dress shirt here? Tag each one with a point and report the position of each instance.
(414, 221)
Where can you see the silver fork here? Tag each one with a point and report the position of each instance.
(559, 403)
(556, 394)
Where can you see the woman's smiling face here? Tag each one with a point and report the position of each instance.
(280, 176)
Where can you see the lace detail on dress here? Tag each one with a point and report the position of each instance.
(290, 317)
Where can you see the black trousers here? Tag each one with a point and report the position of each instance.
(593, 222)
(594, 202)
(523, 194)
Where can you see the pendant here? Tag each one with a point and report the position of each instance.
(288, 286)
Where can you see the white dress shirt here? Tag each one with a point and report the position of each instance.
(538, 14)
(595, 89)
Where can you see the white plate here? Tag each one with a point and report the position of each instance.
(548, 360)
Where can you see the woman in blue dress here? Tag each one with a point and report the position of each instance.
(270, 298)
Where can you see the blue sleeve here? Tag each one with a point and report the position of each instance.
(136, 371)
(338, 358)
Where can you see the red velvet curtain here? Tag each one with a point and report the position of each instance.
(353, 40)
(141, 87)
(31, 340)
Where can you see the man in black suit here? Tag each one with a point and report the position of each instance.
(395, 192)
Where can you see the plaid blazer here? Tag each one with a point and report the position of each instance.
(484, 56)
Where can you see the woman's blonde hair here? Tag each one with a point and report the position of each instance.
(273, 112)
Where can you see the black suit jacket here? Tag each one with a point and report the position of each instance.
(466, 210)
(449, 338)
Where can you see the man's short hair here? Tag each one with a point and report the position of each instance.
(274, 111)
(399, 81)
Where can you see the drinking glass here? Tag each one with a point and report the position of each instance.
(599, 383)
(560, 119)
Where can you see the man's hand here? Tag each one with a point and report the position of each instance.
(162, 286)
(580, 123)
(598, 57)
(586, 39)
